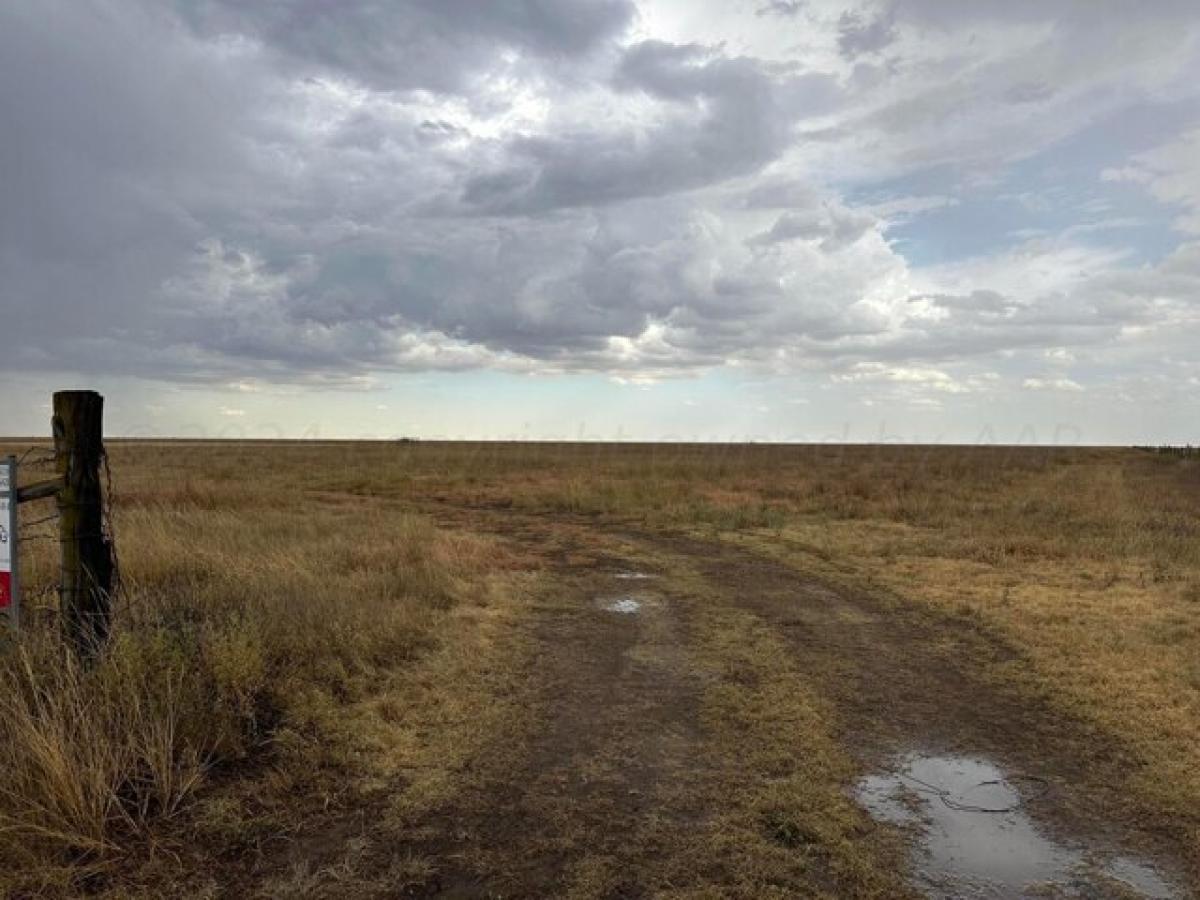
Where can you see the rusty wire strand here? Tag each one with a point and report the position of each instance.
(49, 457)
(63, 540)
(108, 532)
(30, 538)
(42, 521)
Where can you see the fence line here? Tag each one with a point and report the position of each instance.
(82, 490)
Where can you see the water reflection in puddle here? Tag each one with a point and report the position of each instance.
(977, 841)
(624, 603)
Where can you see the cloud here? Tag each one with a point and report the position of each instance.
(859, 35)
(1171, 172)
(435, 45)
(932, 379)
(781, 8)
(319, 194)
(977, 86)
(901, 209)
(834, 226)
(982, 302)
(705, 118)
(1052, 384)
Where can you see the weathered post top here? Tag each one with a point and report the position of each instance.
(79, 416)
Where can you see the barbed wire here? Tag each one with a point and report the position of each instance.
(40, 593)
(50, 518)
(60, 540)
(26, 532)
(31, 538)
(47, 457)
(108, 532)
(41, 605)
(42, 599)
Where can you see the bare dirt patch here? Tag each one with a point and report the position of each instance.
(890, 678)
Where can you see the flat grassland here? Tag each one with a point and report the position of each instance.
(387, 669)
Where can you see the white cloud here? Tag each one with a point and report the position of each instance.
(932, 379)
(1171, 172)
(1052, 384)
(900, 209)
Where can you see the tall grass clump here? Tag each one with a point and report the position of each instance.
(94, 754)
(240, 615)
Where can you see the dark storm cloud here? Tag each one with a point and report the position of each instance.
(262, 228)
(858, 34)
(437, 45)
(719, 117)
(780, 8)
(834, 226)
(316, 190)
(111, 142)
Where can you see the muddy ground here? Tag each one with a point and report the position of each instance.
(698, 717)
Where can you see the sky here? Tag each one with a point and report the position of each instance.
(791, 220)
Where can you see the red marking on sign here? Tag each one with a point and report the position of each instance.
(5, 590)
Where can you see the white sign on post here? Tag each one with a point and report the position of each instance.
(8, 540)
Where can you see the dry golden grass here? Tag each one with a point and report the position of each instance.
(288, 606)
(1087, 560)
(249, 610)
(799, 820)
(1089, 567)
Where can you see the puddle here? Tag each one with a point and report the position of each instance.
(977, 840)
(624, 604)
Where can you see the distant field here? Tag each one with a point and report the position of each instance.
(370, 669)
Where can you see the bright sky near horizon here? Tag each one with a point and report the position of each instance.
(665, 219)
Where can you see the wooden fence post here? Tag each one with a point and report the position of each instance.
(87, 558)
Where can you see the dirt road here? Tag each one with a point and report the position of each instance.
(701, 717)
